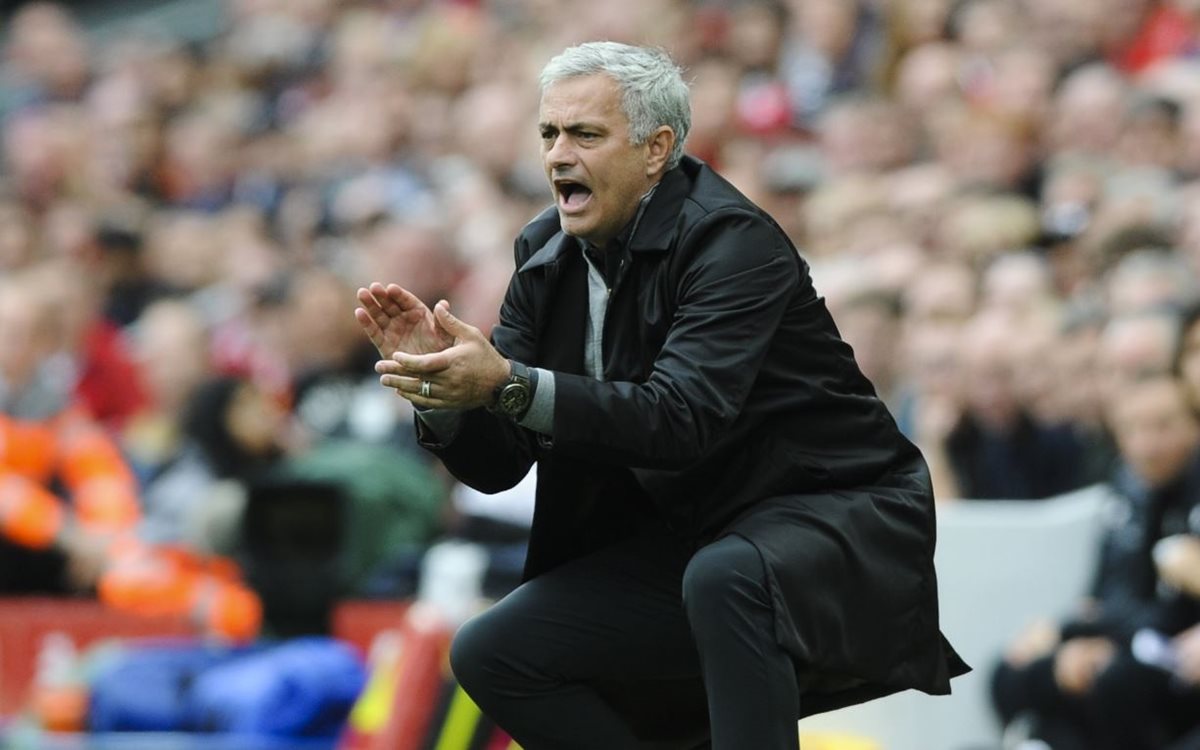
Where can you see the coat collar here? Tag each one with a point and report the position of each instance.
(657, 228)
(654, 232)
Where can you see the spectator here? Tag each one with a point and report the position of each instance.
(51, 543)
(1187, 355)
(996, 449)
(1080, 682)
(1149, 279)
(1135, 346)
(172, 349)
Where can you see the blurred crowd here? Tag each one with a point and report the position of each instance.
(999, 199)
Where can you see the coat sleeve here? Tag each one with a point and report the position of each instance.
(740, 275)
(488, 452)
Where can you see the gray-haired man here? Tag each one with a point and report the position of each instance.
(730, 531)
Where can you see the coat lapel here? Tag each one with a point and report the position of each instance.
(560, 343)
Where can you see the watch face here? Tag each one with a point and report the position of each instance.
(514, 398)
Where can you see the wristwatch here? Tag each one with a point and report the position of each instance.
(513, 396)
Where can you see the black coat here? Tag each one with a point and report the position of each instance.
(729, 403)
(1126, 590)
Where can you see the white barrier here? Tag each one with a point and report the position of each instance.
(1000, 566)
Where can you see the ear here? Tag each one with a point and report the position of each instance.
(658, 150)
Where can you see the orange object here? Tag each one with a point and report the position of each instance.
(171, 581)
(228, 609)
(148, 582)
(62, 708)
(28, 448)
(29, 515)
(103, 489)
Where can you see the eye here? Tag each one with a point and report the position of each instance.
(588, 137)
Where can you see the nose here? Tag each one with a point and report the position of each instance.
(559, 152)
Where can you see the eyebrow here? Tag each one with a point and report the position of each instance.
(573, 127)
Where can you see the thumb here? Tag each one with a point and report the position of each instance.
(452, 325)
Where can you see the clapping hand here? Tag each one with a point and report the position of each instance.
(397, 321)
(464, 375)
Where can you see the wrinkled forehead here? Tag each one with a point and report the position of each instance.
(596, 95)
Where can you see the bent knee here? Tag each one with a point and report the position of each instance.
(471, 649)
(728, 570)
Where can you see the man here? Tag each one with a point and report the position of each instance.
(725, 511)
(1087, 683)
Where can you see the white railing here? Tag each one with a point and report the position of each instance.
(1001, 565)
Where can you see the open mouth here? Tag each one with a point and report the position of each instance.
(572, 196)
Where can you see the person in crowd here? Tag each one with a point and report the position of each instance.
(996, 449)
(67, 492)
(1084, 682)
(1134, 346)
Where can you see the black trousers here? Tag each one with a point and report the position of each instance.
(643, 644)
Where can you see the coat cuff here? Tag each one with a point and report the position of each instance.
(437, 428)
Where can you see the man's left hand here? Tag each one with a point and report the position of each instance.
(463, 376)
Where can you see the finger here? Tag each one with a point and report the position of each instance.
(401, 299)
(370, 301)
(369, 326)
(424, 364)
(426, 402)
(367, 300)
(390, 304)
(391, 367)
(405, 384)
(453, 325)
(367, 323)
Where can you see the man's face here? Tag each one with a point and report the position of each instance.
(1155, 430)
(597, 175)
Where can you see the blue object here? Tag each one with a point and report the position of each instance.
(301, 688)
(147, 687)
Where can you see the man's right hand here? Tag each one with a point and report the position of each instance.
(397, 321)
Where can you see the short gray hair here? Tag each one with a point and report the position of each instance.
(653, 92)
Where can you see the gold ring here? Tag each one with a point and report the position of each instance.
(425, 388)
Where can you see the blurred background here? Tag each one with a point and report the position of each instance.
(999, 200)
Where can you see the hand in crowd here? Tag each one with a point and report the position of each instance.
(1079, 660)
(1036, 641)
(1187, 651)
(464, 375)
(1178, 561)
